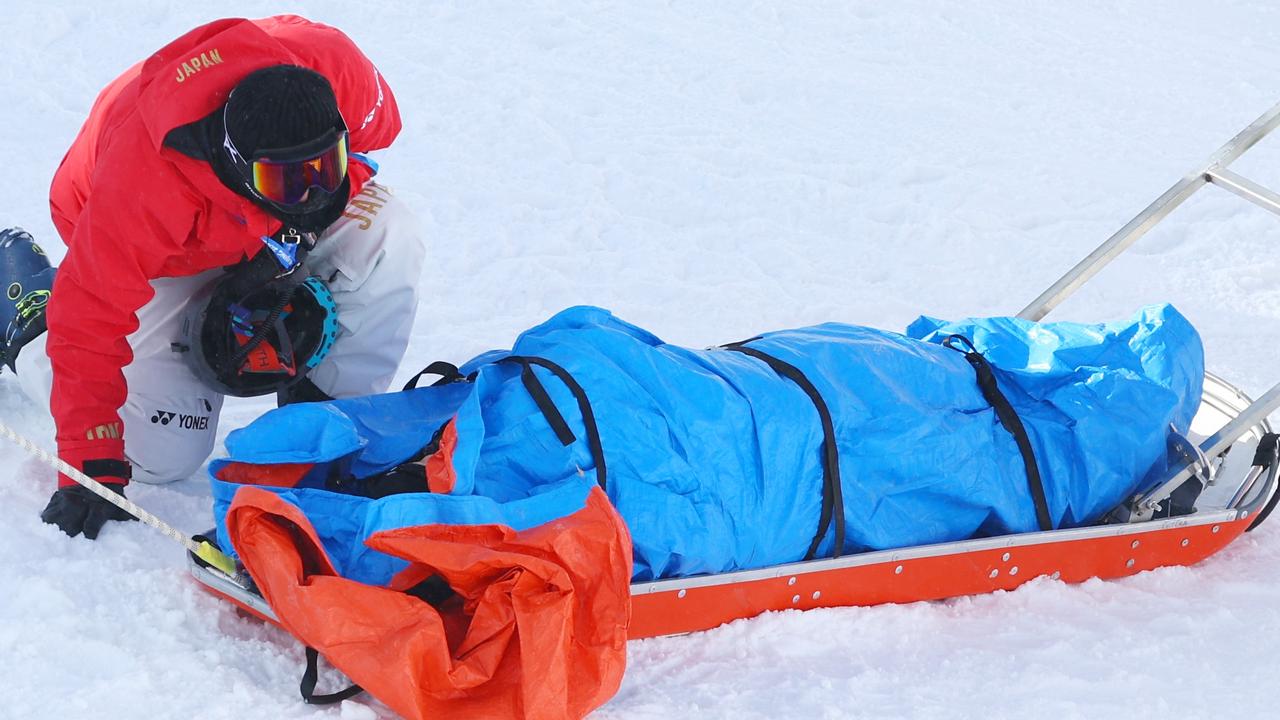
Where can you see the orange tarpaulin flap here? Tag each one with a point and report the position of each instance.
(285, 475)
(540, 633)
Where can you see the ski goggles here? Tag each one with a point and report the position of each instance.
(283, 176)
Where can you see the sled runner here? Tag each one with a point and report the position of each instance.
(1222, 482)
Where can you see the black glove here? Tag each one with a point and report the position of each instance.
(77, 510)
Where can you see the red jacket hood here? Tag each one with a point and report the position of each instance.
(193, 75)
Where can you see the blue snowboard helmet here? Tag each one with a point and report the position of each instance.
(260, 340)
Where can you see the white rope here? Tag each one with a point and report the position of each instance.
(202, 550)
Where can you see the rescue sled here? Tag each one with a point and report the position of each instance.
(1222, 483)
(1234, 469)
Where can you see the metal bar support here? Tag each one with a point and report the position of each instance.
(1154, 213)
(1255, 414)
(1245, 188)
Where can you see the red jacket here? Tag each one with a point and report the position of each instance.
(131, 209)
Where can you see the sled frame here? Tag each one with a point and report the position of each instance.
(1132, 542)
(1213, 172)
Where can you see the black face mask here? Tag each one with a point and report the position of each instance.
(315, 215)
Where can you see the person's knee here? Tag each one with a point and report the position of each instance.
(158, 468)
(167, 471)
(169, 439)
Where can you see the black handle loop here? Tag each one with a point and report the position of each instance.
(553, 415)
(447, 371)
(952, 341)
(308, 685)
(543, 400)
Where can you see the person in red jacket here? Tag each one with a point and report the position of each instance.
(218, 162)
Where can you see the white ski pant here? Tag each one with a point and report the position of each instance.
(371, 259)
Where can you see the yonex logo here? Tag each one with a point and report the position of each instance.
(184, 421)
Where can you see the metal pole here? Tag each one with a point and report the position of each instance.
(1154, 213)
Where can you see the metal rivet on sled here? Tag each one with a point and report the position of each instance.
(1185, 542)
(795, 599)
(1128, 563)
(1056, 575)
(897, 570)
(1013, 570)
(1134, 544)
(995, 572)
(791, 580)
(1216, 528)
(1244, 514)
(680, 594)
(817, 594)
(1006, 557)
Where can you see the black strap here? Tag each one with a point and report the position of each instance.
(549, 410)
(308, 686)
(544, 403)
(1267, 455)
(303, 391)
(832, 492)
(1266, 451)
(448, 373)
(108, 468)
(1008, 418)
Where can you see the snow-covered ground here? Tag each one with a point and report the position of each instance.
(708, 170)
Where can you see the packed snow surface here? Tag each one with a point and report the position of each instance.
(708, 171)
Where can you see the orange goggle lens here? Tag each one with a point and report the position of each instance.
(287, 181)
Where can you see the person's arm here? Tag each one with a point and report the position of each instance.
(132, 224)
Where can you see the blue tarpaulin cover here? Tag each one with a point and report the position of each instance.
(714, 459)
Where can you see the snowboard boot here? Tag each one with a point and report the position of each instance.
(26, 279)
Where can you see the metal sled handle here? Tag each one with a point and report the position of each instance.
(1214, 171)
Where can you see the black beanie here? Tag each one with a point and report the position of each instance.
(279, 107)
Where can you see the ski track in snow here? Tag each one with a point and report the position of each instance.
(709, 171)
